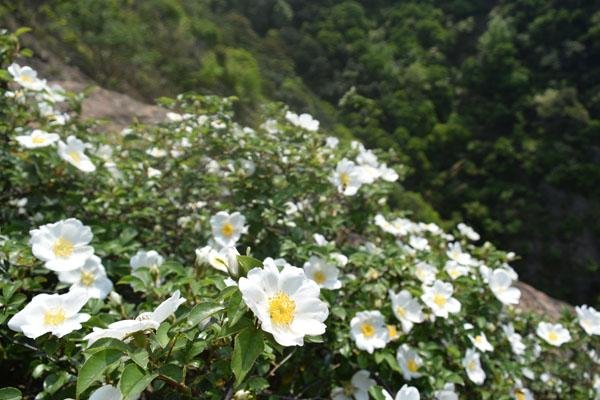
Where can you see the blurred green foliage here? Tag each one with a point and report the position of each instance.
(494, 105)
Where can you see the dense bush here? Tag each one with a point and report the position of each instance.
(493, 106)
(100, 228)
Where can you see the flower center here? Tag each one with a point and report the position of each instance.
(552, 336)
(75, 156)
(62, 248)
(519, 395)
(26, 78)
(227, 229)
(282, 309)
(392, 331)
(439, 300)
(344, 178)
(412, 365)
(55, 316)
(367, 329)
(472, 365)
(38, 140)
(479, 339)
(87, 278)
(319, 277)
(401, 311)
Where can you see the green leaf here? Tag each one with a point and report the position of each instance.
(202, 311)
(247, 263)
(140, 357)
(134, 381)
(235, 309)
(376, 392)
(10, 393)
(93, 368)
(162, 334)
(22, 30)
(248, 345)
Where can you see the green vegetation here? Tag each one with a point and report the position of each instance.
(494, 106)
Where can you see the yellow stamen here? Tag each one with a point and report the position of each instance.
(412, 365)
(552, 336)
(227, 229)
(54, 317)
(440, 300)
(519, 395)
(63, 248)
(38, 140)
(319, 277)
(401, 312)
(282, 309)
(344, 179)
(392, 331)
(367, 329)
(75, 156)
(87, 278)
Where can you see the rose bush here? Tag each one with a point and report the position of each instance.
(197, 258)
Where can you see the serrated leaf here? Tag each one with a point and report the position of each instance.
(10, 393)
(202, 311)
(248, 345)
(134, 381)
(93, 368)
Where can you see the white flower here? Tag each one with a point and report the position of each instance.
(54, 313)
(37, 138)
(419, 243)
(468, 232)
(406, 308)
(481, 342)
(144, 321)
(156, 152)
(320, 240)
(331, 142)
(425, 272)
(386, 226)
(455, 270)
(347, 177)
(515, 340)
(500, 282)
(72, 152)
(149, 259)
(224, 260)
(106, 392)
(455, 253)
(447, 393)
(63, 245)
(405, 393)
(325, 274)
(228, 228)
(388, 174)
(589, 319)
(358, 387)
(26, 77)
(153, 172)
(409, 362)
(90, 278)
(340, 259)
(369, 331)
(305, 121)
(439, 298)
(286, 302)
(472, 365)
(554, 334)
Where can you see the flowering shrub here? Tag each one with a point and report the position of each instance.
(198, 258)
